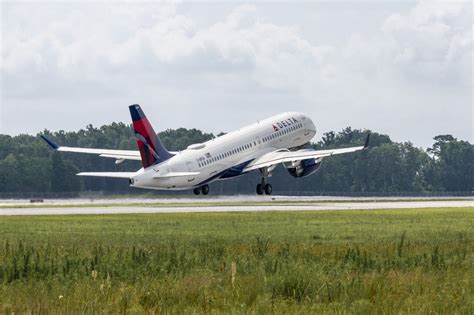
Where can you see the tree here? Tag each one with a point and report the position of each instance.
(454, 162)
(9, 174)
(63, 178)
(27, 164)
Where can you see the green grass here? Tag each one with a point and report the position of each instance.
(387, 261)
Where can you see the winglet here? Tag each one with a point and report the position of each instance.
(53, 144)
(367, 141)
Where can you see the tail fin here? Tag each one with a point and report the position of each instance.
(152, 151)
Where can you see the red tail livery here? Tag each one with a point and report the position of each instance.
(152, 151)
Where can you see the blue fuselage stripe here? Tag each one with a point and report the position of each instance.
(233, 171)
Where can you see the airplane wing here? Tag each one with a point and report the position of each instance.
(119, 155)
(277, 157)
(108, 174)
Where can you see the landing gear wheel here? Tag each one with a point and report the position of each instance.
(268, 189)
(197, 191)
(259, 189)
(205, 189)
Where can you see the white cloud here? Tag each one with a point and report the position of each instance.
(433, 42)
(154, 53)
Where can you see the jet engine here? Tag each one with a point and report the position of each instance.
(304, 168)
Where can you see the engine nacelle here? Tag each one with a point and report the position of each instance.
(304, 168)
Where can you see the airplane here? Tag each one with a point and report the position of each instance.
(261, 146)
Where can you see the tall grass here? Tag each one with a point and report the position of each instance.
(352, 261)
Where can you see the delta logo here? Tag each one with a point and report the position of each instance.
(284, 123)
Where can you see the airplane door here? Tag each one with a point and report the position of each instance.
(190, 166)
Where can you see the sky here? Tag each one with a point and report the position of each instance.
(402, 68)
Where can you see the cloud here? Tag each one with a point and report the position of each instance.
(69, 50)
(99, 55)
(432, 44)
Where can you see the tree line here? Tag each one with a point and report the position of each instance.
(28, 164)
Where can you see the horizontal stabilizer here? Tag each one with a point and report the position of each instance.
(108, 174)
(176, 174)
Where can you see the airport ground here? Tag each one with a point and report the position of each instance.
(244, 203)
(407, 260)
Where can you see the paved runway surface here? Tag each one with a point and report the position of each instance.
(218, 199)
(221, 204)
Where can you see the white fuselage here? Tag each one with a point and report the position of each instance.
(226, 156)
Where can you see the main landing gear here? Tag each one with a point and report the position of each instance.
(203, 189)
(264, 188)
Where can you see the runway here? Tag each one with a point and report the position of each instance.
(221, 204)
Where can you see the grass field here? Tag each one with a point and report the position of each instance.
(387, 261)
